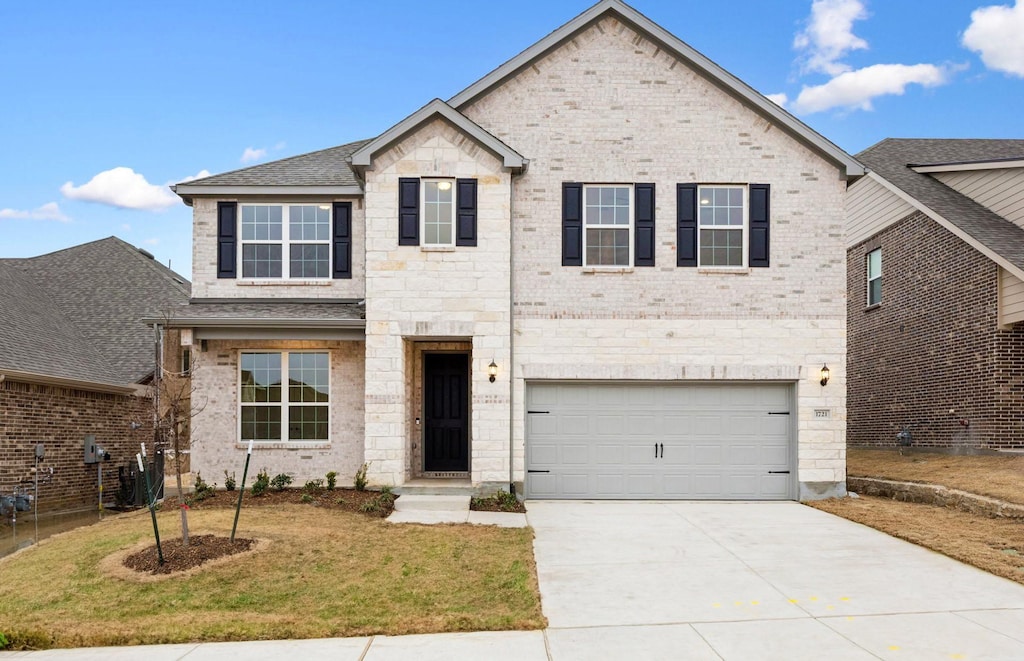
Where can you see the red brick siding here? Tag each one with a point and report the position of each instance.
(60, 418)
(933, 345)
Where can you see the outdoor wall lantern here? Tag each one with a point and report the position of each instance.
(492, 371)
(825, 374)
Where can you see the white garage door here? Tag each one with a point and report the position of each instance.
(627, 440)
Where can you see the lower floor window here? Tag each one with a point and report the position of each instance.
(273, 409)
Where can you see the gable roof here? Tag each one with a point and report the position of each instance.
(714, 73)
(75, 314)
(326, 171)
(437, 108)
(893, 161)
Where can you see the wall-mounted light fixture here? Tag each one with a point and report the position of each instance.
(492, 371)
(825, 374)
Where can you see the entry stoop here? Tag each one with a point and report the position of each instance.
(436, 487)
(411, 502)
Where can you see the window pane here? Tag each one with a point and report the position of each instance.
(261, 423)
(721, 247)
(307, 423)
(875, 263)
(445, 234)
(309, 260)
(438, 213)
(307, 377)
(875, 291)
(261, 260)
(308, 223)
(261, 377)
(608, 247)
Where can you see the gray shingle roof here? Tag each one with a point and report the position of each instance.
(323, 313)
(892, 157)
(327, 167)
(76, 313)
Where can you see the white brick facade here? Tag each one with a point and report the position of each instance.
(606, 106)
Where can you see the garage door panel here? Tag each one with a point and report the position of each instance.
(644, 440)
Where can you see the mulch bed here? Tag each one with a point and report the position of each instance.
(493, 504)
(201, 548)
(344, 500)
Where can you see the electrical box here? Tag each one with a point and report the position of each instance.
(90, 449)
(40, 452)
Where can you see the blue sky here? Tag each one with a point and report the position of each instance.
(104, 104)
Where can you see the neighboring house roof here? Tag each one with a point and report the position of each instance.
(330, 171)
(438, 108)
(272, 313)
(893, 160)
(716, 74)
(75, 314)
(322, 172)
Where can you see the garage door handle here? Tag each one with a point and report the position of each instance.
(778, 472)
(778, 412)
(538, 411)
(536, 471)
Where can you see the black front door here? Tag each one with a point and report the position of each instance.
(446, 412)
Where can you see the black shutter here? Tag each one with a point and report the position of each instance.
(644, 220)
(342, 240)
(227, 231)
(760, 217)
(686, 224)
(409, 211)
(572, 224)
(465, 212)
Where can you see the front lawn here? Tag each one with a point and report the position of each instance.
(324, 573)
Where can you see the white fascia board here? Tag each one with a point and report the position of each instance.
(952, 227)
(510, 157)
(973, 165)
(730, 83)
(191, 190)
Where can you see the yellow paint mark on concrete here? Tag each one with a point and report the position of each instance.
(814, 598)
(716, 605)
(738, 603)
(794, 601)
(894, 648)
(849, 618)
(957, 656)
(830, 607)
(754, 603)
(844, 598)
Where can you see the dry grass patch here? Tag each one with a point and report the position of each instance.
(326, 573)
(999, 477)
(994, 545)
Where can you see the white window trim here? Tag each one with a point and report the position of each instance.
(285, 243)
(283, 404)
(744, 231)
(868, 279)
(423, 211)
(630, 227)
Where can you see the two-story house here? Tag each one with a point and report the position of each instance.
(607, 269)
(936, 295)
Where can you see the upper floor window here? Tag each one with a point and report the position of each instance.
(286, 241)
(607, 223)
(874, 271)
(438, 212)
(722, 225)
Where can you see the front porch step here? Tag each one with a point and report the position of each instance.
(427, 503)
(436, 487)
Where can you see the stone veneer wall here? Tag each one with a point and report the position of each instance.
(215, 430)
(416, 293)
(931, 355)
(60, 418)
(610, 106)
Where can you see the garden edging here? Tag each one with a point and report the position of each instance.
(935, 494)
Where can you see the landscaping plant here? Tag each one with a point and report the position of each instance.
(280, 481)
(229, 481)
(262, 483)
(360, 479)
(332, 480)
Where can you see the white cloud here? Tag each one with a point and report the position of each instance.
(779, 99)
(856, 89)
(151, 242)
(829, 35)
(997, 34)
(202, 174)
(124, 188)
(49, 211)
(251, 155)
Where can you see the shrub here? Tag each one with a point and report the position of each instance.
(307, 498)
(381, 504)
(3, 641)
(280, 481)
(332, 480)
(314, 486)
(360, 479)
(229, 481)
(203, 490)
(259, 487)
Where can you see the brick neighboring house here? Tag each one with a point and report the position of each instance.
(936, 294)
(607, 269)
(75, 360)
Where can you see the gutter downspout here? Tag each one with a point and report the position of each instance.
(511, 327)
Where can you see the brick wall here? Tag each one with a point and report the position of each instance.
(930, 355)
(60, 418)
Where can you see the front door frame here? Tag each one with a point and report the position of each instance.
(460, 470)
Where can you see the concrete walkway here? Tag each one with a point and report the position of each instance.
(659, 580)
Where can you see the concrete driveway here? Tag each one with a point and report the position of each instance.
(757, 581)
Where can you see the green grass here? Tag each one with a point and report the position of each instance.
(324, 574)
